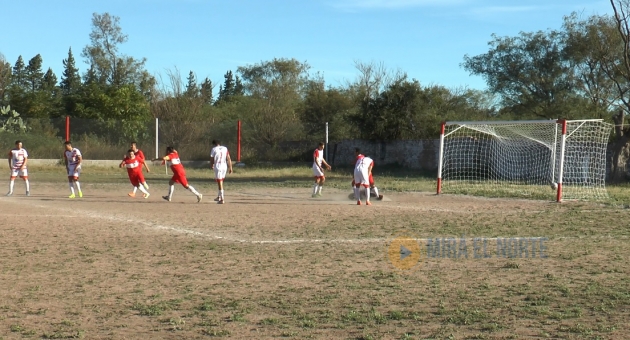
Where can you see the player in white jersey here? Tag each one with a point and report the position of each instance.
(362, 172)
(221, 163)
(72, 158)
(318, 170)
(18, 158)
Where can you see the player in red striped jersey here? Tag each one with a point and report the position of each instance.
(73, 159)
(18, 157)
(134, 171)
(142, 160)
(318, 170)
(179, 174)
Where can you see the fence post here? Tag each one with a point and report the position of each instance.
(67, 128)
(327, 159)
(157, 131)
(238, 142)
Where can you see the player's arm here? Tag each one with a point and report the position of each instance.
(326, 164)
(24, 163)
(10, 158)
(315, 154)
(145, 165)
(65, 161)
(165, 158)
(229, 162)
(80, 159)
(212, 163)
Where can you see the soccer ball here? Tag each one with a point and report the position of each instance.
(554, 186)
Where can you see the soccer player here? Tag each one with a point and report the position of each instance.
(18, 157)
(72, 158)
(362, 173)
(221, 163)
(318, 170)
(134, 171)
(141, 159)
(373, 188)
(179, 174)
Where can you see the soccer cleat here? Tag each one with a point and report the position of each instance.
(319, 194)
(314, 195)
(132, 194)
(72, 196)
(146, 195)
(146, 186)
(199, 197)
(9, 194)
(380, 197)
(221, 202)
(358, 202)
(217, 199)
(28, 193)
(80, 194)
(166, 198)
(368, 203)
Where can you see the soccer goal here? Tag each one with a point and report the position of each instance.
(561, 159)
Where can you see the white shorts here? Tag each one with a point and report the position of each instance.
(19, 173)
(219, 173)
(317, 172)
(74, 171)
(362, 177)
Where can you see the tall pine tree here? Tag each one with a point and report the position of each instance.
(34, 74)
(70, 79)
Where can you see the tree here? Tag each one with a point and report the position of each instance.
(70, 80)
(192, 89)
(206, 91)
(5, 80)
(322, 105)
(34, 73)
(227, 90)
(277, 87)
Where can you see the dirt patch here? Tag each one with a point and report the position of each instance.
(273, 262)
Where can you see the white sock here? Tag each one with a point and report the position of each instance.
(376, 191)
(222, 194)
(71, 185)
(28, 185)
(315, 188)
(145, 185)
(135, 189)
(11, 184)
(141, 189)
(367, 194)
(171, 188)
(319, 189)
(357, 193)
(190, 187)
(78, 186)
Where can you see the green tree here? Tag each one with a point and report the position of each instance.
(277, 87)
(70, 86)
(192, 89)
(5, 80)
(206, 91)
(34, 74)
(322, 105)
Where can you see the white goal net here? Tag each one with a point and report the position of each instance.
(525, 158)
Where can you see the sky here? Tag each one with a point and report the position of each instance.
(426, 39)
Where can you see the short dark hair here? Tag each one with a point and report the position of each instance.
(216, 142)
(170, 149)
(321, 144)
(128, 151)
(68, 143)
(18, 142)
(134, 143)
(357, 150)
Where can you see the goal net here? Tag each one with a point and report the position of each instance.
(561, 159)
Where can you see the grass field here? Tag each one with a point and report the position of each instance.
(275, 263)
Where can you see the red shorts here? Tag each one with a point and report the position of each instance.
(180, 177)
(135, 178)
(319, 177)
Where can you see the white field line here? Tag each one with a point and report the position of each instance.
(194, 233)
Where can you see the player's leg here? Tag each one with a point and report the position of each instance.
(184, 182)
(318, 174)
(321, 185)
(27, 184)
(143, 190)
(76, 174)
(142, 180)
(367, 194)
(171, 188)
(12, 182)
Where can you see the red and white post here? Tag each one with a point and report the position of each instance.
(67, 128)
(238, 142)
(440, 159)
(563, 142)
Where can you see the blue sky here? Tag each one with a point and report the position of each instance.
(427, 39)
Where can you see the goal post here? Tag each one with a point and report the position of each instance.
(561, 159)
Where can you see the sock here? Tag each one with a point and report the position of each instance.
(319, 189)
(367, 194)
(171, 188)
(190, 187)
(375, 191)
(28, 185)
(222, 194)
(141, 189)
(145, 185)
(357, 193)
(315, 188)
(11, 184)
(71, 185)
(78, 186)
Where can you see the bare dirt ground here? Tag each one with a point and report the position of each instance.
(275, 263)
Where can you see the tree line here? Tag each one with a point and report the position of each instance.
(577, 71)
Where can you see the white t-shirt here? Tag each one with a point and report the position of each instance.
(18, 157)
(363, 163)
(73, 156)
(219, 153)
